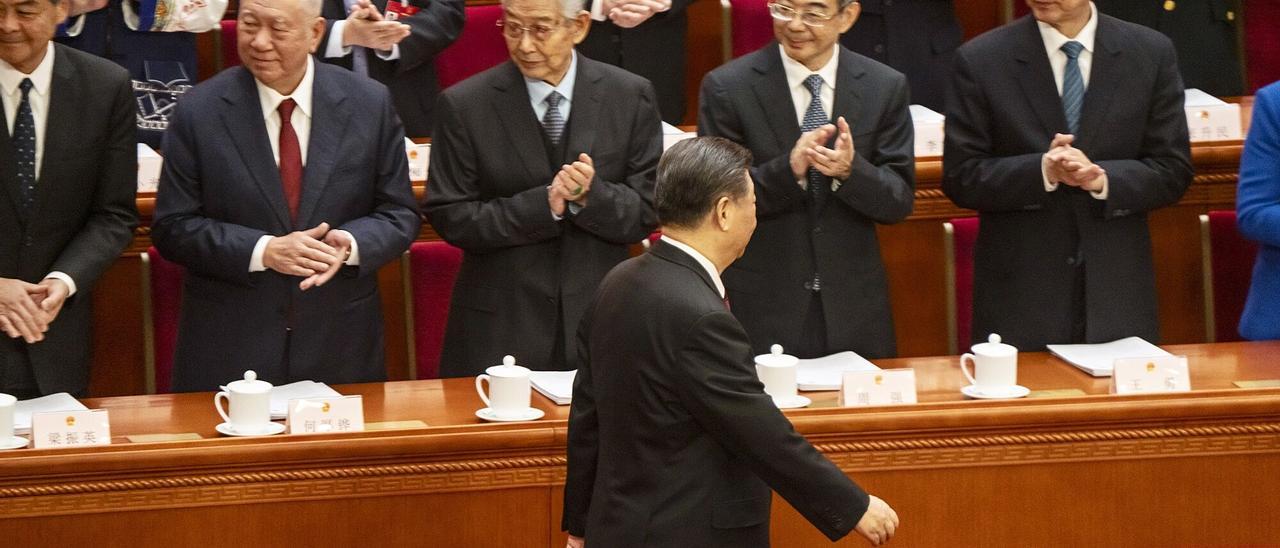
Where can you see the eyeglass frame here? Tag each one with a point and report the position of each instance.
(532, 31)
(776, 11)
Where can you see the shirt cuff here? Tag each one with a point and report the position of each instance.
(71, 284)
(389, 55)
(574, 207)
(354, 258)
(1102, 194)
(597, 10)
(335, 47)
(259, 249)
(1044, 175)
(74, 29)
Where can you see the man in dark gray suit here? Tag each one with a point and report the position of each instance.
(1066, 127)
(542, 172)
(832, 141)
(916, 37)
(672, 440)
(69, 173)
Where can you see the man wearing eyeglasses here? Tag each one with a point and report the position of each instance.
(832, 143)
(542, 171)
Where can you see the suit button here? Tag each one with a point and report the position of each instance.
(817, 230)
(551, 300)
(1170, 5)
(1071, 261)
(879, 48)
(808, 286)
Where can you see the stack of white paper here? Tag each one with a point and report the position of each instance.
(1097, 359)
(928, 130)
(557, 386)
(52, 403)
(827, 372)
(280, 395)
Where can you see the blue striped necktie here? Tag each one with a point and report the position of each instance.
(24, 145)
(359, 54)
(1072, 85)
(553, 121)
(814, 118)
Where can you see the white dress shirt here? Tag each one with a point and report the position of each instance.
(539, 90)
(270, 100)
(797, 73)
(702, 260)
(38, 98)
(1053, 41)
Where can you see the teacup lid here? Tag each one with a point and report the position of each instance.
(507, 369)
(775, 358)
(250, 384)
(993, 347)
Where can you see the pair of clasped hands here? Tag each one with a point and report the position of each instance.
(316, 254)
(810, 151)
(27, 309)
(1065, 164)
(368, 28)
(571, 184)
(630, 13)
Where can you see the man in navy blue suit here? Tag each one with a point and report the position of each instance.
(285, 188)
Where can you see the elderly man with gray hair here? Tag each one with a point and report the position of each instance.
(285, 188)
(542, 171)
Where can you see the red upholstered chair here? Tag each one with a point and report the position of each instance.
(230, 55)
(745, 25)
(479, 47)
(1262, 42)
(1227, 262)
(959, 238)
(161, 302)
(431, 270)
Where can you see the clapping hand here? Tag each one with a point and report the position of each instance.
(1068, 165)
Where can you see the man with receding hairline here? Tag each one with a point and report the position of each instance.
(285, 188)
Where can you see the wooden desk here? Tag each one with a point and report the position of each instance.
(1193, 468)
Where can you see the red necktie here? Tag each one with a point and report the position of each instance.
(726, 303)
(290, 159)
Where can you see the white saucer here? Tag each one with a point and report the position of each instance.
(13, 442)
(995, 392)
(227, 430)
(530, 414)
(793, 402)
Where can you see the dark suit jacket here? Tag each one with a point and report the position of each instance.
(526, 278)
(220, 192)
(84, 213)
(916, 37)
(672, 441)
(653, 49)
(1000, 122)
(412, 77)
(1205, 34)
(747, 101)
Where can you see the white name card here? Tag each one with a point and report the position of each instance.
(324, 415)
(1150, 375)
(929, 130)
(1210, 118)
(419, 160)
(149, 163)
(883, 387)
(70, 429)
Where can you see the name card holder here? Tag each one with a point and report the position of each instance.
(58, 429)
(883, 387)
(326, 415)
(419, 159)
(1150, 375)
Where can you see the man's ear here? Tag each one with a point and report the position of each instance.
(850, 13)
(721, 213)
(581, 26)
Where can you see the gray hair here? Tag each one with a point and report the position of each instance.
(568, 8)
(694, 174)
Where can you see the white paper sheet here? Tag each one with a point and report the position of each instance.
(825, 373)
(52, 403)
(557, 386)
(1097, 359)
(280, 395)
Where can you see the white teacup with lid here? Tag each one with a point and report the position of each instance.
(995, 370)
(250, 402)
(778, 372)
(509, 393)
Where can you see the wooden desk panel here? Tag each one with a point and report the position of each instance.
(1200, 467)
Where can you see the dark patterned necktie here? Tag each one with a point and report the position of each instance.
(553, 120)
(814, 118)
(24, 146)
(290, 159)
(1072, 85)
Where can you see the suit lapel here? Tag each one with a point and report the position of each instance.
(585, 112)
(1105, 77)
(1037, 81)
(60, 128)
(519, 124)
(772, 93)
(848, 95)
(8, 180)
(329, 114)
(247, 130)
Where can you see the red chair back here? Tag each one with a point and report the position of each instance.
(165, 289)
(1228, 274)
(751, 27)
(964, 234)
(230, 55)
(433, 266)
(1261, 42)
(479, 47)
